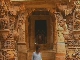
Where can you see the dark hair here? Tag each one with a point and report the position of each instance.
(37, 47)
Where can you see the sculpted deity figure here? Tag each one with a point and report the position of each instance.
(63, 30)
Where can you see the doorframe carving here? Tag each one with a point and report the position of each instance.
(29, 11)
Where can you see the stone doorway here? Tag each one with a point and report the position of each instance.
(41, 17)
(40, 31)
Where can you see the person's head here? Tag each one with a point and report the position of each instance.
(37, 48)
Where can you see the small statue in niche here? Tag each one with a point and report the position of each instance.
(65, 32)
(64, 26)
(3, 9)
(20, 31)
(11, 23)
(3, 24)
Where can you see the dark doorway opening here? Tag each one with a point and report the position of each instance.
(40, 31)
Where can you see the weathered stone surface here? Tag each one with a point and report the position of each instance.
(60, 56)
(61, 48)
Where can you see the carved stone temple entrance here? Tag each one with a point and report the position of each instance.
(41, 29)
(31, 24)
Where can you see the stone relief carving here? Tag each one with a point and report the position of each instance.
(10, 44)
(8, 54)
(11, 23)
(3, 23)
(7, 21)
(13, 10)
(21, 28)
(77, 21)
(3, 11)
(62, 28)
(3, 16)
(74, 42)
(69, 22)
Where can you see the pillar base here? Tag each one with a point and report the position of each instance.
(60, 56)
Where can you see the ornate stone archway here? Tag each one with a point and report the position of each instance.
(51, 23)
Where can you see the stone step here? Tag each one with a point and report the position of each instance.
(46, 55)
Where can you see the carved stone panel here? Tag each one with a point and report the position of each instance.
(21, 28)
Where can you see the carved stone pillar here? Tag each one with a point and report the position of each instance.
(61, 50)
(8, 44)
(21, 30)
(60, 44)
